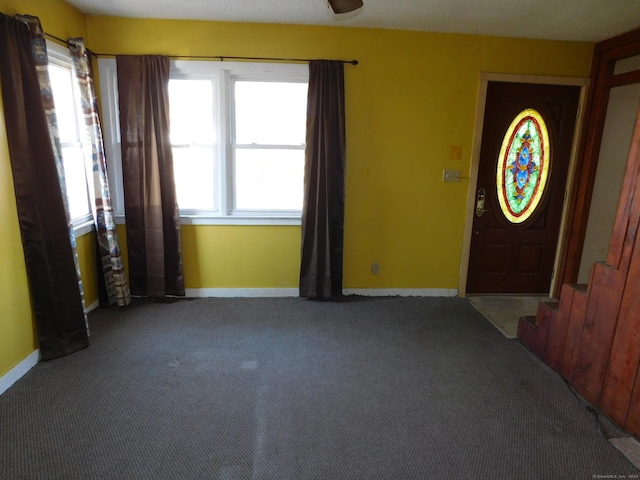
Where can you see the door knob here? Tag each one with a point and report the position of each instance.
(480, 197)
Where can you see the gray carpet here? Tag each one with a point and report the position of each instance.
(287, 388)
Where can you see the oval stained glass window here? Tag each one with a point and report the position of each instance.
(523, 165)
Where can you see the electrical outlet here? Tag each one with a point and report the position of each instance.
(449, 175)
(375, 268)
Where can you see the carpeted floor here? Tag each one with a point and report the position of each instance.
(287, 388)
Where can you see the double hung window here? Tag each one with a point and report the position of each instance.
(237, 132)
(71, 131)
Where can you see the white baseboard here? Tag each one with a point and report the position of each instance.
(402, 292)
(241, 292)
(293, 292)
(17, 372)
(93, 306)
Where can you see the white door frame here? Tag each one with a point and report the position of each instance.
(485, 78)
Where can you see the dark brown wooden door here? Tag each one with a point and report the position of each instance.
(507, 257)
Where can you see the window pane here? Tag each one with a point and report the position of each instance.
(270, 113)
(76, 181)
(192, 127)
(269, 179)
(62, 89)
(193, 170)
(191, 112)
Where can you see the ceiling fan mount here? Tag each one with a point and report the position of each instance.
(345, 6)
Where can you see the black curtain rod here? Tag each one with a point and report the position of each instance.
(222, 58)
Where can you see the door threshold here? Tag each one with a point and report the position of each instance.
(504, 311)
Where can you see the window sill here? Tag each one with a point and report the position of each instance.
(83, 227)
(230, 220)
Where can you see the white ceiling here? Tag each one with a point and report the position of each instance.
(583, 20)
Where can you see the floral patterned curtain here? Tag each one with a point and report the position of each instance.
(111, 259)
(39, 48)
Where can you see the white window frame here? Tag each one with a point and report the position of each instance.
(223, 73)
(60, 56)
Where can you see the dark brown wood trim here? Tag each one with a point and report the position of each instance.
(602, 80)
(612, 43)
(622, 79)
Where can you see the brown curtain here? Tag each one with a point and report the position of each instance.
(323, 209)
(55, 292)
(151, 209)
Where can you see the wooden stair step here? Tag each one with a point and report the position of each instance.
(594, 348)
(534, 330)
(559, 327)
(574, 324)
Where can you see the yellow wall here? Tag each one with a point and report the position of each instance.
(18, 337)
(410, 99)
(88, 269)
(257, 257)
(57, 17)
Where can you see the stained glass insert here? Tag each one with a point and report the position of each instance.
(523, 165)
